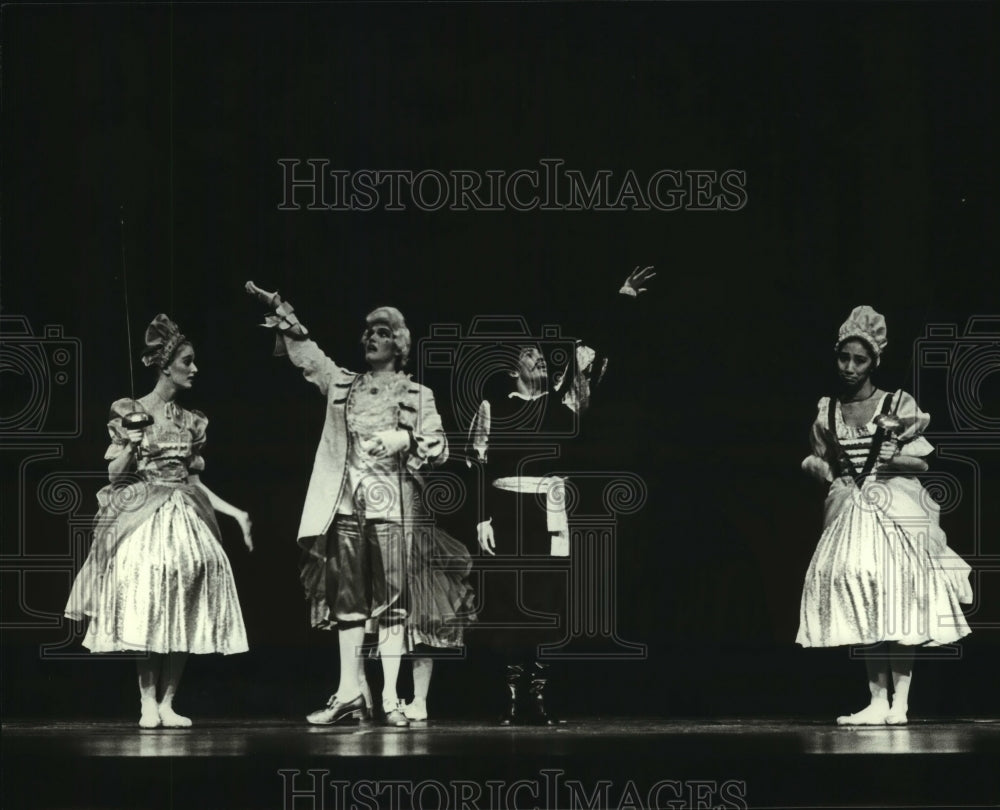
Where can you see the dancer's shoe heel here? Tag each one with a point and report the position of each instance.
(337, 711)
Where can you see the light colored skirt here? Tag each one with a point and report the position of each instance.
(882, 570)
(167, 587)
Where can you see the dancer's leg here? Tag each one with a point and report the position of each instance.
(517, 673)
(391, 643)
(170, 680)
(423, 669)
(366, 691)
(350, 638)
(878, 684)
(149, 673)
(347, 701)
(901, 662)
(538, 678)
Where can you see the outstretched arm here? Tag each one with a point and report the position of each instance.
(292, 340)
(225, 508)
(284, 317)
(633, 284)
(576, 383)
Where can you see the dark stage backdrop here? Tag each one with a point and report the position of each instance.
(867, 138)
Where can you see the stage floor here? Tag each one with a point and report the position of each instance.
(601, 762)
(578, 737)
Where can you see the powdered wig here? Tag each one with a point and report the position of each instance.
(392, 318)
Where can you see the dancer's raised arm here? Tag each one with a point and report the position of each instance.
(292, 340)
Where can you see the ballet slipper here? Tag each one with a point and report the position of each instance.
(897, 714)
(149, 716)
(171, 719)
(872, 715)
(416, 710)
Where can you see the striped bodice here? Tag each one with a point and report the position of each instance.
(856, 440)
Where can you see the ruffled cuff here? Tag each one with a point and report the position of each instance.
(588, 373)
(914, 423)
(479, 433)
(286, 323)
(817, 432)
(817, 467)
(917, 447)
(117, 448)
(426, 449)
(396, 441)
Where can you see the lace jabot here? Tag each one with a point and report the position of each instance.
(374, 403)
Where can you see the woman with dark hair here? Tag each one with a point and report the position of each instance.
(157, 580)
(882, 574)
(373, 560)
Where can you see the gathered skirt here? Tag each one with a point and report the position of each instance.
(882, 570)
(167, 586)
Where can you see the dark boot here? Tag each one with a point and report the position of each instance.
(539, 678)
(514, 674)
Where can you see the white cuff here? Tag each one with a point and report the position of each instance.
(394, 441)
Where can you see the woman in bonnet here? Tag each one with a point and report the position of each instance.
(882, 574)
(157, 579)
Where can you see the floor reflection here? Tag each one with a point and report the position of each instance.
(369, 741)
(165, 743)
(888, 740)
(737, 737)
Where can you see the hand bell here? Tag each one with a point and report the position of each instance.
(888, 422)
(137, 420)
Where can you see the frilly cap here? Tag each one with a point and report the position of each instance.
(393, 318)
(867, 324)
(162, 339)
